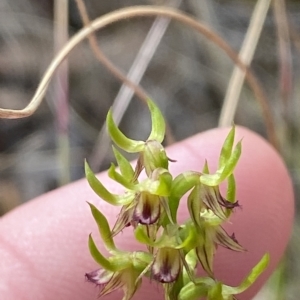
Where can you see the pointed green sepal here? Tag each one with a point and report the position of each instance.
(124, 165)
(205, 168)
(113, 174)
(158, 123)
(195, 205)
(227, 148)
(231, 189)
(103, 227)
(98, 257)
(205, 253)
(120, 139)
(99, 188)
(222, 174)
(250, 279)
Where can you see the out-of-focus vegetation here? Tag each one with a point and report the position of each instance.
(187, 77)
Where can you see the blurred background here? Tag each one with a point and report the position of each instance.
(186, 75)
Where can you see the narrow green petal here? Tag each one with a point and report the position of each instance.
(158, 123)
(231, 189)
(181, 184)
(124, 218)
(205, 253)
(205, 168)
(113, 174)
(124, 165)
(120, 139)
(211, 197)
(232, 161)
(250, 279)
(98, 257)
(227, 148)
(103, 227)
(98, 187)
(194, 205)
(227, 241)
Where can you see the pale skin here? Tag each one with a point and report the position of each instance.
(43, 244)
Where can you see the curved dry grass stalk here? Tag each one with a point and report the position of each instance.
(133, 12)
(130, 81)
(139, 91)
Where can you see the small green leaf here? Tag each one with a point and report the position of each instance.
(227, 148)
(98, 187)
(181, 185)
(98, 257)
(124, 165)
(103, 227)
(158, 123)
(231, 189)
(250, 279)
(119, 178)
(120, 139)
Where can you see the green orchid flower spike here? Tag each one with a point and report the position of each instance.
(149, 206)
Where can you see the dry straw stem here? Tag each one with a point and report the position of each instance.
(61, 91)
(103, 59)
(130, 81)
(246, 55)
(139, 11)
(284, 51)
